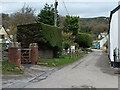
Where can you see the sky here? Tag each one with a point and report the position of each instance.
(81, 8)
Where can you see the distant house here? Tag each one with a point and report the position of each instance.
(114, 37)
(102, 35)
(4, 34)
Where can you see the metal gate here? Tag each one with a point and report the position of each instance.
(25, 56)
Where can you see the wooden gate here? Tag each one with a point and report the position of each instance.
(25, 56)
(18, 56)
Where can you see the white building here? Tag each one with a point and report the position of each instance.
(103, 41)
(114, 37)
(4, 34)
(102, 35)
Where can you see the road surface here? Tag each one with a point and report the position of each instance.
(92, 71)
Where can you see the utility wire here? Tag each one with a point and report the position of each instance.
(62, 10)
(65, 7)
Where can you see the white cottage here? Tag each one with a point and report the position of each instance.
(114, 37)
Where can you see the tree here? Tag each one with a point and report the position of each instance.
(71, 24)
(84, 40)
(99, 28)
(86, 29)
(68, 37)
(95, 25)
(13, 31)
(5, 19)
(25, 15)
(66, 45)
(46, 15)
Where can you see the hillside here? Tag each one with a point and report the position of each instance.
(97, 20)
(94, 26)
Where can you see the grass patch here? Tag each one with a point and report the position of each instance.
(54, 62)
(8, 68)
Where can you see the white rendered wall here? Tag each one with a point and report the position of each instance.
(119, 32)
(103, 41)
(113, 34)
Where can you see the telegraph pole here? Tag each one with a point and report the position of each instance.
(55, 14)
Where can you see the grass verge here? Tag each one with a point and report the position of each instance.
(86, 50)
(55, 62)
(8, 68)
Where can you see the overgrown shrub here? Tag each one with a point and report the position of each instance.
(84, 40)
(66, 45)
(47, 37)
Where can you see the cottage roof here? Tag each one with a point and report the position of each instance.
(5, 31)
(111, 13)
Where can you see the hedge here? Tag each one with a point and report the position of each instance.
(45, 35)
(84, 40)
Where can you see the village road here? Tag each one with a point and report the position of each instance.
(92, 71)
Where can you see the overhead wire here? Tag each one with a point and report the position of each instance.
(65, 7)
(61, 10)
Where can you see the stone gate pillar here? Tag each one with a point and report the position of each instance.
(14, 54)
(34, 52)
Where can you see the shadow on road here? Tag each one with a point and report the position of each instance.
(104, 64)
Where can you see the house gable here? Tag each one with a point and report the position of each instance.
(4, 32)
(111, 14)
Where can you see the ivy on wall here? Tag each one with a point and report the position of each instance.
(52, 35)
(45, 35)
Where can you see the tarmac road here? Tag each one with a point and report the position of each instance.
(92, 71)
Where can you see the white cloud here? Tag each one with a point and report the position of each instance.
(86, 9)
(82, 9)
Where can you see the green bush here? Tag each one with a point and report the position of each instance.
(66, 45)
(84, 40)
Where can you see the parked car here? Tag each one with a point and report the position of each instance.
(97, 45)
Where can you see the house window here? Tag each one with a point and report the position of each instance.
(2, 37)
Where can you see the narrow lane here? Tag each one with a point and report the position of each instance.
(91, 71)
